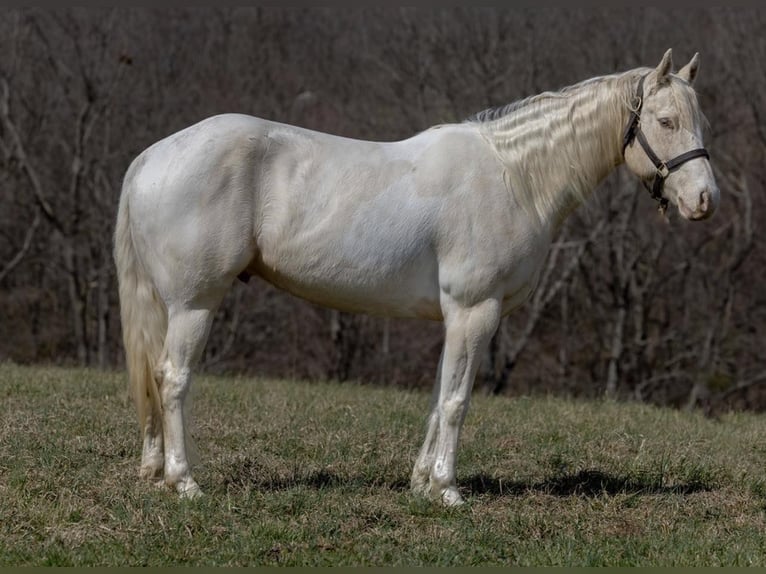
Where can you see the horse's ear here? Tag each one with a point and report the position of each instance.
(689, 71)
(665, 66)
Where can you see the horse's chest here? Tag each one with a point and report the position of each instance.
(524, 268)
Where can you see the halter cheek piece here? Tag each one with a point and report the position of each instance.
(664, 168)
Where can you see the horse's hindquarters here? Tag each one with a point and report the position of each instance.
(192, 212)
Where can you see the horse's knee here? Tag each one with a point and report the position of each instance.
(173, 385)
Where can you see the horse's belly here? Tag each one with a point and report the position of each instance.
(378, 285)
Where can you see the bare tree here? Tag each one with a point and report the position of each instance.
(627, 305)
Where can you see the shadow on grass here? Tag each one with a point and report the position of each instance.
(248, 473)
(589, 483)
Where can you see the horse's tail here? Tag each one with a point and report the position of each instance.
(144, 317)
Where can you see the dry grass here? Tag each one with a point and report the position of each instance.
(317, 474)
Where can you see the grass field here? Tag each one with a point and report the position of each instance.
(317, 474)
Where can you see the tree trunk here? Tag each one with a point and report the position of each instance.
(615, 352)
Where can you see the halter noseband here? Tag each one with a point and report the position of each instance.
(664, 168)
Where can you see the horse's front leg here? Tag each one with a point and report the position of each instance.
(468, 332)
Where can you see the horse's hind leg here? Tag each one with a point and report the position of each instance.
(153, 454)
(188, 330)
(419, 482)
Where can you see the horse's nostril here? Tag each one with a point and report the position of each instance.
(705, 201)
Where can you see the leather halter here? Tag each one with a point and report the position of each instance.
(664, 168)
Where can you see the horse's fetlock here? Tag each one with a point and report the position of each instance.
(441, 477)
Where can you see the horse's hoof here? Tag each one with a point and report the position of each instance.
(191, 493)
(450, 497)
(188, 490)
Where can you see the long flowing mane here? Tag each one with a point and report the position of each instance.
(498, 112)
(556, 146)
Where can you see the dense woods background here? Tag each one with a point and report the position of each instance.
(629, 305)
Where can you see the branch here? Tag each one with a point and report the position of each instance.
(751, 382)
(21, 155)
(231, 331)
(543, 296)
(14, 262)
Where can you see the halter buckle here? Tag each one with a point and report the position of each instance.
(663, 171)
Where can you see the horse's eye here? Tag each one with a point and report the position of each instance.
(667, 123)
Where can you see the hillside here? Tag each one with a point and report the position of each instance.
(317, 474)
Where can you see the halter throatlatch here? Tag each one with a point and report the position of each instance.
(664, 168)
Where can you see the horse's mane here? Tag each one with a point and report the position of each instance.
(690, 111)
(498, 112)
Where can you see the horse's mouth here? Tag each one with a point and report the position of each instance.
(703, 211)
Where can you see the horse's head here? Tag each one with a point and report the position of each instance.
(663, 141)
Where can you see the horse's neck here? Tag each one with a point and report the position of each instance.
(557, 147)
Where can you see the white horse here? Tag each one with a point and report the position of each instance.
(452, 224)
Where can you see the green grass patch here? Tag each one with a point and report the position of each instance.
(317, 474)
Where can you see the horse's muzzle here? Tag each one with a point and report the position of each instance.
(705, 208)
